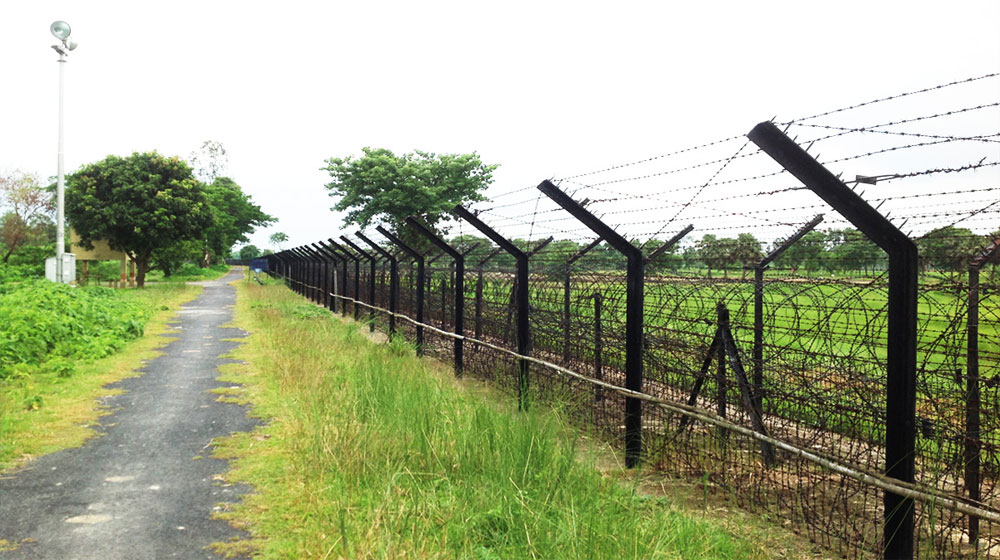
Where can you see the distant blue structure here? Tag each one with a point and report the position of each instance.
(258, 265)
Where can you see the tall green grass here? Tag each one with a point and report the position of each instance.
(368, 452)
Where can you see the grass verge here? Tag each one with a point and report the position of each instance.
(190, 273)
(368, 452)
(48, 411)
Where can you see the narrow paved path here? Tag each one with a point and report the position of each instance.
(145, 489)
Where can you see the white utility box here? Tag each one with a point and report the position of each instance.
(68, 269)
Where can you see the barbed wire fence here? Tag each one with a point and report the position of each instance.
(806, 316)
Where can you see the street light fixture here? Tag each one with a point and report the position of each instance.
(61, 30)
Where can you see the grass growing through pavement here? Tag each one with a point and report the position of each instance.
(48, 410)
(368, 452)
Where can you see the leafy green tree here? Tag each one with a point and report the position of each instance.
(234, 216)
(383, 186)
(849, 249)
(169, 259)
(278, 238)
(28, 212)
(713, 252)
(139, 204)
(949, 249)
(248, 252)
(668, 260)
(804, 253)
(746, 251)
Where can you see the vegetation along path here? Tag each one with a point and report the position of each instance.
(148, 487)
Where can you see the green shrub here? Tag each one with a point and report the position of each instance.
(44, 322)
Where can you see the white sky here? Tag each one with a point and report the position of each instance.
(546, 89)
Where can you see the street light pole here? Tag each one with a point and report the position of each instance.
(61, 30)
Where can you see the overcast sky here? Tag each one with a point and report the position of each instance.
(545, 89)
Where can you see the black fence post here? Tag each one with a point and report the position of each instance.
(758, 308)
(357, 277)
(305, 271)
(328, 278)
(722, 322)
(393, 280)
(973, 405)
(286, 268)
(521, 297)
(308, 271)
(320, 268)
(294, 264)
(567, 321)
(345, 255)
(901, 355)
(373, 263)
(277, 266)
(459, 260)
(296, 270)
(419, 258)
(633, 314)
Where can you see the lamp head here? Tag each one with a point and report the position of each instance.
(60, 30)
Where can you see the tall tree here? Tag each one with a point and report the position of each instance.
(708, 250)
(209, 161)
(383, 186)
(28, 210)
(948, 249)
(278, 238)
(139, 204)
(852, 250)
(746, 251)
(248, 252)
(806, 252)
(234, 215)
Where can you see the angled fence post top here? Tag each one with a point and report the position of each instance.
(324, 252)
(335, 252)
(304, 254)
(777, 252)
(541, 245)
(375, 246)
(471, 248)
(399, 243)
(342, 250)
(582, 252)
(489, 257)
(327, 255)
(810, 172)
(320, 255)
(364, 254)
(433, 237)
(669, 244)
(983, 257)
(489, 232)
(591, 221)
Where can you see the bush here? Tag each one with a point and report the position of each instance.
(43, 321)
